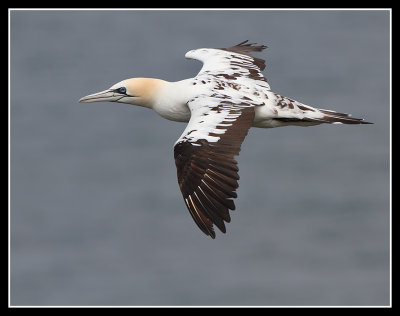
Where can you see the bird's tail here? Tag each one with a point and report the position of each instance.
(292, 112)
(333, 117)
(314, 116)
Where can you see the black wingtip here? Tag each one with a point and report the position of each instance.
(250, 46)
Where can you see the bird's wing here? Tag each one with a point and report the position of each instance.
(204, 157)
(233, 63)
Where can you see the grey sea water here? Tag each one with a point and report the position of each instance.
(96, 214)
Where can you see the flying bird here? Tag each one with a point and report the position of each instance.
(227, 97)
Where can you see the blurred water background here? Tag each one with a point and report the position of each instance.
(97, 217)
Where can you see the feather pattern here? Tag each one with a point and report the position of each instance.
(204, 156)
(231, 96)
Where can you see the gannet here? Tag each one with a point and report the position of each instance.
(227, 97)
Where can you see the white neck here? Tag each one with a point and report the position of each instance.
(171, 100)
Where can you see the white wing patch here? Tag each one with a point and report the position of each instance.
(228, 64)
(210, 118)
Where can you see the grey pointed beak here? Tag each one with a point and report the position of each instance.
(103, 96)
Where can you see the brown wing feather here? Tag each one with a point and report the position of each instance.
(208, 173)
(246, 48)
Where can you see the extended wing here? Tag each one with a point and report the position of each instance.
(234, 63)
(204, 156)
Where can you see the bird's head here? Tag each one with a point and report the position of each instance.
(136, 91)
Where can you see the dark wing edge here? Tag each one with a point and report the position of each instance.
(208, 173)
(246, 48)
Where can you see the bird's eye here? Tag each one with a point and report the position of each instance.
(122, 90)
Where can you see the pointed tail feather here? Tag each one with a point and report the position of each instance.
(339, 118)
(292, 112)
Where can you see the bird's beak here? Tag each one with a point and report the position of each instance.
(103, 96)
